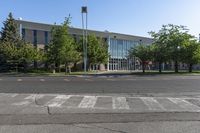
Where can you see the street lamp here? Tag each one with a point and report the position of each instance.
(84, 13)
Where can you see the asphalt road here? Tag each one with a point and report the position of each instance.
(139, 127)
(101, 84)
(21, 112)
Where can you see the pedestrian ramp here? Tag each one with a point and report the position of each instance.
(101, 102)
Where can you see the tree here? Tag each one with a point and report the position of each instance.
(170, 39)
(62, 48)
(190, 52)
(10, 33)
(13, 49)
(143, 52)
(160, 49)
(21, 54)
(97, 51)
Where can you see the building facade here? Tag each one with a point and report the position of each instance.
(39, 35)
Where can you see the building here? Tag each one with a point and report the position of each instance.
(39, 35)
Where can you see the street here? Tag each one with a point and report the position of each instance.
(102, 84)
(104, 104)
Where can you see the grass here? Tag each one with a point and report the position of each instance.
(168, 72)
(147, 72)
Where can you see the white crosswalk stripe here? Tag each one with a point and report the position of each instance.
(88, 102)
(32, 97)
(22, 103)
(120, 103)
(105, 102)
(58, 101)
(185, 104)
(152, 103)
(14, 95)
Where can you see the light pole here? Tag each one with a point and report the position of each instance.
(84, 13)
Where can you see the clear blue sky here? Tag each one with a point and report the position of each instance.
(136, 17)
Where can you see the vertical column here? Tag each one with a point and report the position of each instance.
(109, 58)
(20, 30)
(35, 45)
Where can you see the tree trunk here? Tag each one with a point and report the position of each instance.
(35, 64)
(176, 66)
(65, 68)
(143, 67)
(190, 67)
(160, 67)
(25, 66)
(69, 70)
(59, 68)
(53, 68)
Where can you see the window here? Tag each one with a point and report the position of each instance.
(23, 34)
(35, 37)
(46, 37)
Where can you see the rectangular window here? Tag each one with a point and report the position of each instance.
(46, 37)
(23, 33)
(35, 37)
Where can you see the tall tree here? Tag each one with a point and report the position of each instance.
(143, 52)
(190, 52)
(97, 51)
(62, 48)
(13, 49)
(160, 48)
(170, 39)
(10, 33)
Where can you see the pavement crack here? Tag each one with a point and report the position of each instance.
(36, 103)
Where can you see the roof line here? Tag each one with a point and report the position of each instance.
(88, 29)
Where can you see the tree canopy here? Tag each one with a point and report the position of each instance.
(62, 48)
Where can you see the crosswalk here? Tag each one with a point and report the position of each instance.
(101, 102)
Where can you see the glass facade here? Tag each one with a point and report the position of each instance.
(118, 50)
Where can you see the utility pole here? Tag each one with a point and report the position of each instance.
(84, 13)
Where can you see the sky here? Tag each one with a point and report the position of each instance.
(135, 17)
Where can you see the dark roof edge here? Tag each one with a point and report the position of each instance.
(81, 29)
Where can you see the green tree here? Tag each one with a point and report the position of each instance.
(97, 52)
(13, 49)
(190, 52)
(9, 32)
(62, 48)
(169, 40)
(160, 50)
(143, 52)
(22, 54)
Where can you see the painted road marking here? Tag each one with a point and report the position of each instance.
(184, 104)
(152, 103)
(22, 103)
(32, 97)
(111, 79)
(14, 95)
(19, 80)
(88, 102)
(42, 80)
(58, 101)
(88, 80)
(66, 80)
(120, 103)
